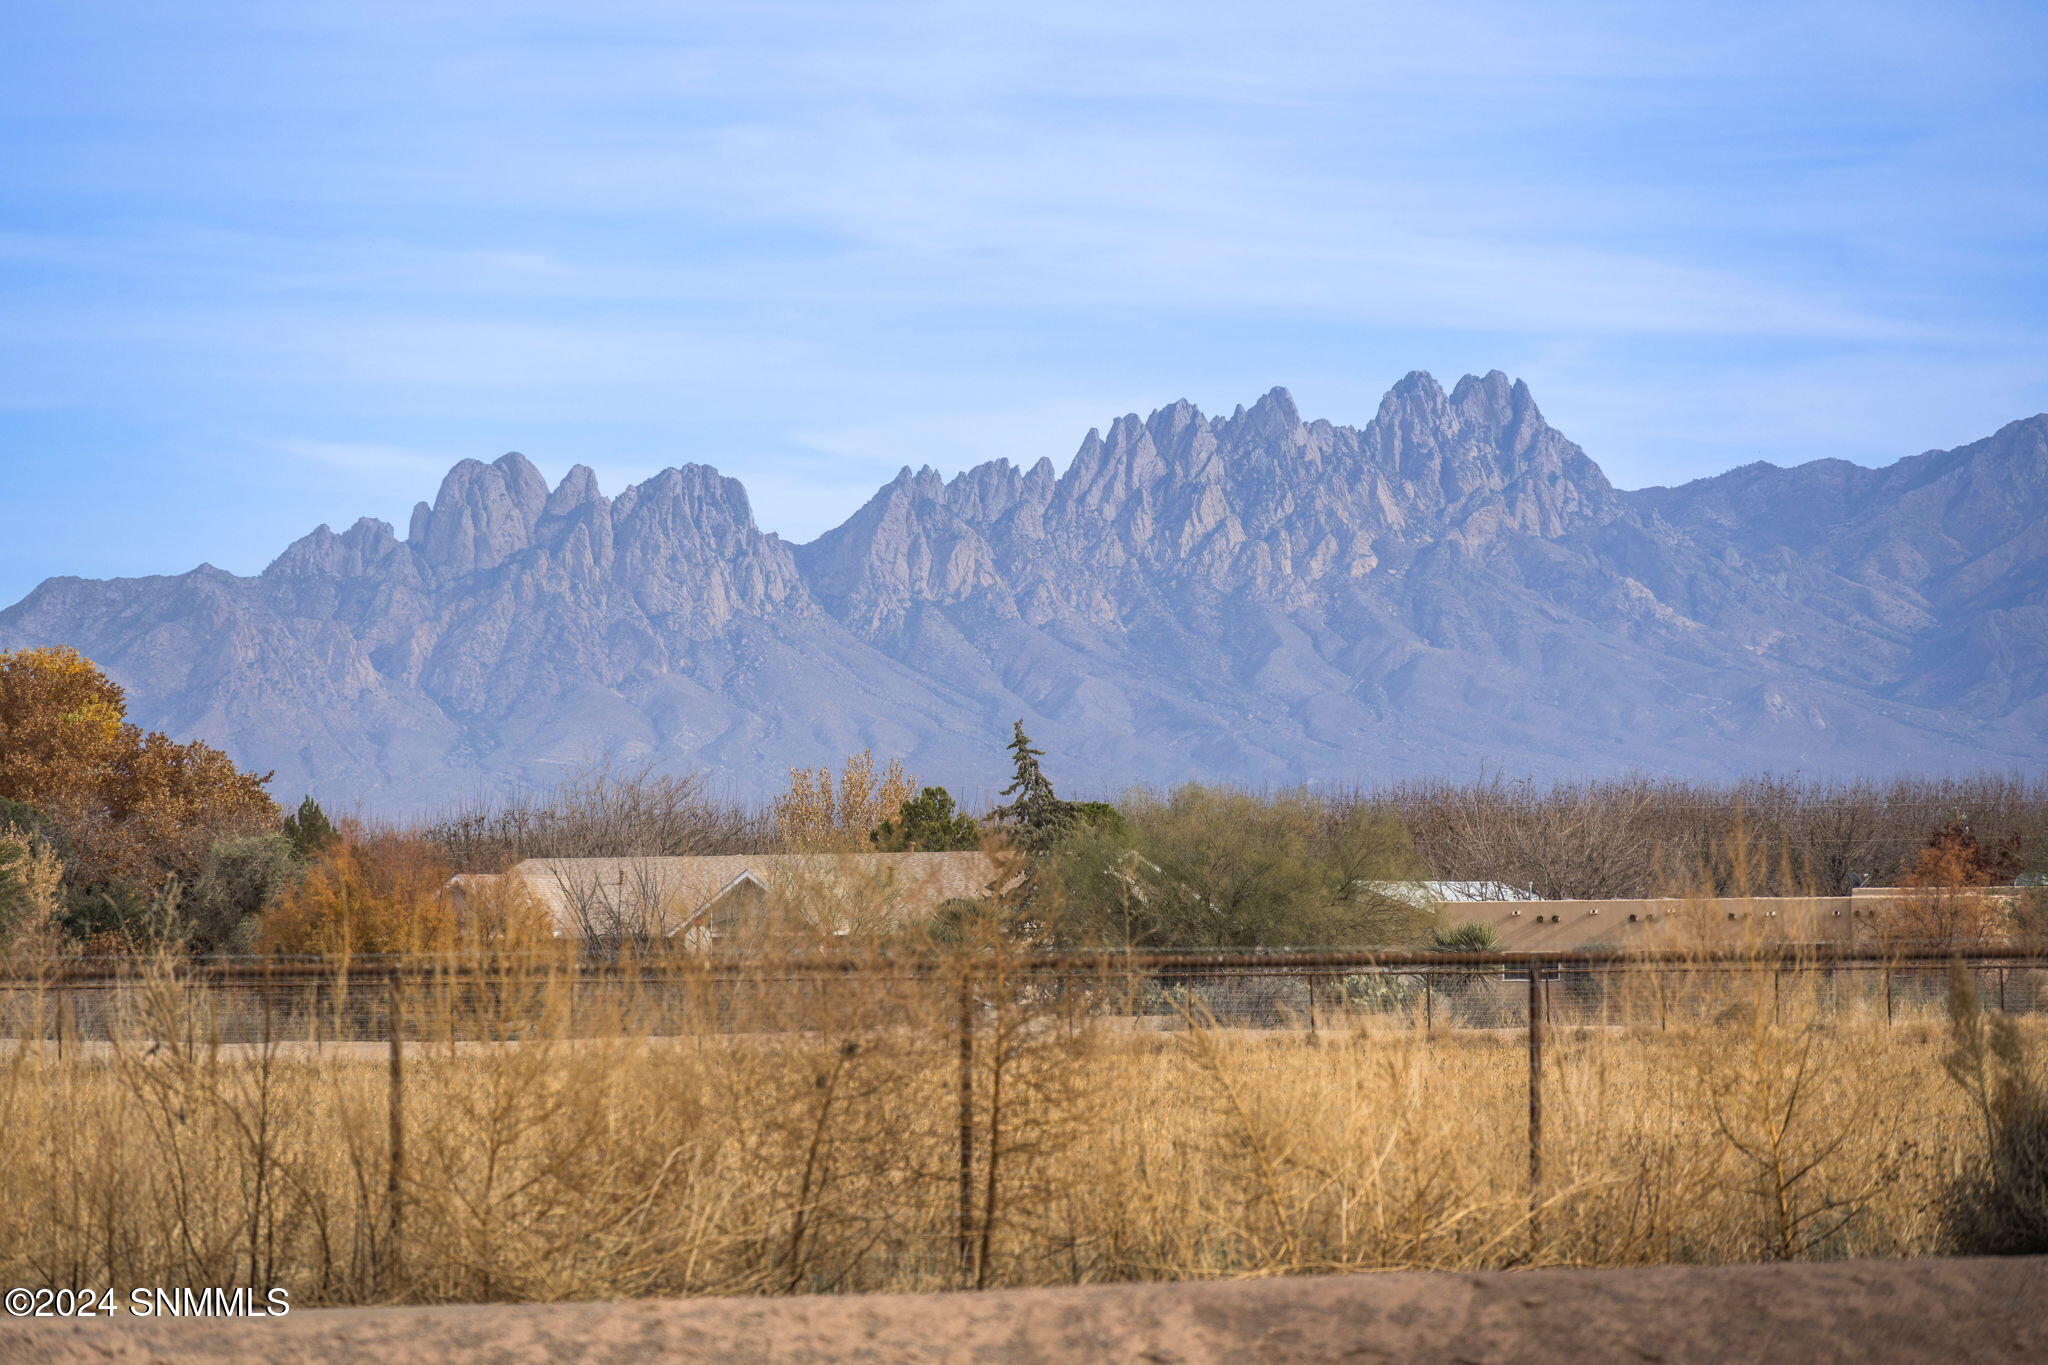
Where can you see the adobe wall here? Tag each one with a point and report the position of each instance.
(1673, 922)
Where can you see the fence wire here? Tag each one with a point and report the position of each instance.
(242, 1003)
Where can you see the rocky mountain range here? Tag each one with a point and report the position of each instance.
(1453, 586)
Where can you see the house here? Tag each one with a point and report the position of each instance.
(728, 899)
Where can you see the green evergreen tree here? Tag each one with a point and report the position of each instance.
(1035, 812)
(309, 830)
(928, 823)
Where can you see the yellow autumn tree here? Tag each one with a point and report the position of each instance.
(62, 726)
(823, 811)
(136, 805)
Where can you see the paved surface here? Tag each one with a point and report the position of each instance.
(1931, 1310)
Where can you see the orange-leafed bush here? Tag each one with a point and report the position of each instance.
(366, 894)
(1947, 877)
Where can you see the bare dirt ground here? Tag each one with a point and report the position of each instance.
(1928, 1310)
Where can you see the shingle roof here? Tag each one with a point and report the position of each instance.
(837, 891)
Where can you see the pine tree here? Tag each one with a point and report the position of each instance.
(1037, 814)
(309, 830)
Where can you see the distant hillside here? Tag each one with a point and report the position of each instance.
(1255, 597)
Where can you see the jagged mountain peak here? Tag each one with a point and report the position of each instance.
(1273, 417)
(514, 465)
(1279, 402)
(578, 488)
(365, 545)
(1490, 399)
(1451, 584)
(1416, 385)
(482, 514)
(686, 512)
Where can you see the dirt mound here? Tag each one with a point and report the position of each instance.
(1931, 1310)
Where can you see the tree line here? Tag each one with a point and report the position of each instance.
(118, 840)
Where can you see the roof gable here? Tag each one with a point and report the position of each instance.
(601, 896)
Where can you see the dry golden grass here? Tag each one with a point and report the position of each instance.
(693, 1136)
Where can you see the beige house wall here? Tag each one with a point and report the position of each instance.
(1533, 926)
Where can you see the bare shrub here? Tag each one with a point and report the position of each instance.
(603, 811)
(1781, 1086)
(906, 1122)
(1626, 837)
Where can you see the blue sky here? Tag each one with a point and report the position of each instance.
(268, 265)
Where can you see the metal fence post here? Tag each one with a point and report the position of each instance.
(1536, 1029)
(1887, 992)
(394, 1192)
(965, 1212)
(1428, 1003)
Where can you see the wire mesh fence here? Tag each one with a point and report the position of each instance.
(242, 1002)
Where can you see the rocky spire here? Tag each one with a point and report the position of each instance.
(483, 515)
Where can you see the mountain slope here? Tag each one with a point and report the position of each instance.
(1256, 597)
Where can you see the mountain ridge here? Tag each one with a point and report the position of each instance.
(1252, 597)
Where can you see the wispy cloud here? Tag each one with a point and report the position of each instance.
(808, 242)
(368, 460)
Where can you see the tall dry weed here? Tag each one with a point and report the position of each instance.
(691, 1126)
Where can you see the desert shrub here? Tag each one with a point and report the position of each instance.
(1779, 1078)
(241, 879)
(1470, 937)
(368, 894)
(1102, 817)
(1998, 1205)
(1212, 867)
(116, 917)
(1377, 991)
